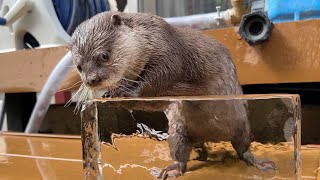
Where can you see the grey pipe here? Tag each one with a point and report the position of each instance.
(50, 88)
(201, 21)
(191, 19)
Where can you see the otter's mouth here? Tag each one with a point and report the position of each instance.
(123, 88)
(127, 86)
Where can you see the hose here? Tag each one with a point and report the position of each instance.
(2, 112)
(48, 91)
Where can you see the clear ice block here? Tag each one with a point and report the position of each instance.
(126, 138)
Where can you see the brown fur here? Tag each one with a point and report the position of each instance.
(162, 60)
(172, 61)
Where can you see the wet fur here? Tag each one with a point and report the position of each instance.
(162, 60)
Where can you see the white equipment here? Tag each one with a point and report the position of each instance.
(37, 17)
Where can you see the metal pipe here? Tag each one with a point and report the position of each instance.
(200, 21)
(219, 19)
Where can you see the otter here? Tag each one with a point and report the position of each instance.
(141, 55)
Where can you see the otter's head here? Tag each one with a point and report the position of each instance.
(105, 51)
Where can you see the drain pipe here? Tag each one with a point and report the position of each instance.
(50, 88)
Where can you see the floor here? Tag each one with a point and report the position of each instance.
(59, 157)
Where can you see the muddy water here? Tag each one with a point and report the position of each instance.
(137, 157)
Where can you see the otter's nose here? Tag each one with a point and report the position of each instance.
(94, 81)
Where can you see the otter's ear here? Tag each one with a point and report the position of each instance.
(116, 20)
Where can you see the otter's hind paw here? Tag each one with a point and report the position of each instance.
(171, 171)
(265, 165)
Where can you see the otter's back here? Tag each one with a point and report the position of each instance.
(212, 60)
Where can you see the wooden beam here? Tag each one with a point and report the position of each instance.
(28, 70)
(292, 54)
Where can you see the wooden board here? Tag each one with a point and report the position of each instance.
(28, 70)
(291, 55)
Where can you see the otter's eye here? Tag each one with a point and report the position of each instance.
(105, 56)
(79, 68)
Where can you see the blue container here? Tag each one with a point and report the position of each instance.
(293, 10)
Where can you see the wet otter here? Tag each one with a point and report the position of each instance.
(137, 54)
